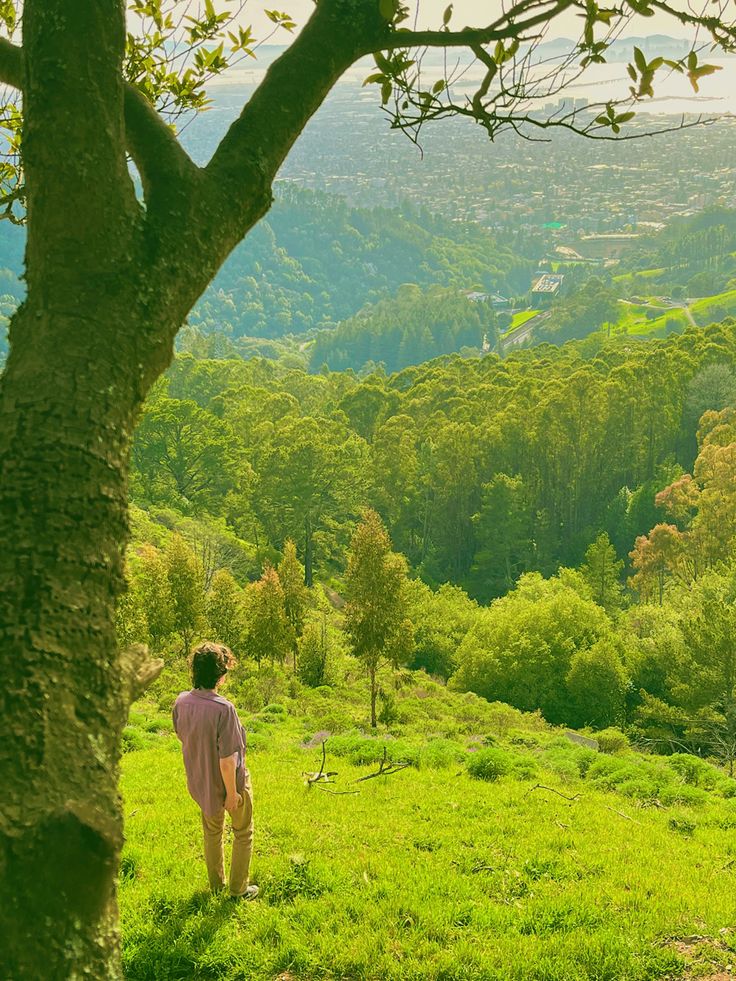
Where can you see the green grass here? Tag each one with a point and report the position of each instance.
(430, 873)
(633, 319)
(520, 318)
(714, 308)
(626, 279)
(659, 324)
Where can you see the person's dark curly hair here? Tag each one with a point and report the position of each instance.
(209, 662)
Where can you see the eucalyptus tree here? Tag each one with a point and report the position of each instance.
(111, 275)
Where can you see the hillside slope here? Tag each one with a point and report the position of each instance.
(563, 863)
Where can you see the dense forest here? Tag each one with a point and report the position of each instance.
(315, 261)
(414, 327)
(584, 491)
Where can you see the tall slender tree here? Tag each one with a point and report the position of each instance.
(296, 595)
(377, 612)
(602, 571)
(268, 631)
(187, 591)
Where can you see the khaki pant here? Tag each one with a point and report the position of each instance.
(242, 821)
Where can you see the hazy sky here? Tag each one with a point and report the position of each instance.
(466, 12)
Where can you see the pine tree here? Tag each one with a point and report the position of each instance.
(268, 632)
(602, 571)
(296, 594)
(187, 592)
(225, 610)
(376, 614)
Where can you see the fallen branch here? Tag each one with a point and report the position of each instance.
(322, 776)
(541, 786)
(385, 768)
(621, 814)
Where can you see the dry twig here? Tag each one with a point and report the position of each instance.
(385, 768)
(540, 786)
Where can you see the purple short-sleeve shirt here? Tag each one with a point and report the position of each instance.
(209, 729)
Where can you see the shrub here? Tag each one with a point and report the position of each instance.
(682, 795)
(694, 771)
(567, 759)
(440, 753)
(256, 742)
(298, 879)
(316, 657)
(388, 712)
(683, 826)
(363, 750)
(612, 740)
(489, 764)
(639, 788)
(248, 695)
(133, 739)
(274, 709)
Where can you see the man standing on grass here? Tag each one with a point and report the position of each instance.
(213, 744)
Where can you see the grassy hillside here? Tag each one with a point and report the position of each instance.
(619, 867)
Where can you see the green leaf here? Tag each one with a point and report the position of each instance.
(447, 16)
(383, 63)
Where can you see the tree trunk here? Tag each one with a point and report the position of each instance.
(374, 692)
(308, 551)
(69, 396)
(63, 700)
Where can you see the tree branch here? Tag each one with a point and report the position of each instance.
(155, 150)
(336, 35)
(139, 670)
(469, 37)
(11, 64)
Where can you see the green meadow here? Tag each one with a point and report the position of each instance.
(503, 851)
(521, 317)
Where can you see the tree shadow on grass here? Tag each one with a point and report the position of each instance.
(169, 943)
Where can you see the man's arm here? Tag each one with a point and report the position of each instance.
(227, 769)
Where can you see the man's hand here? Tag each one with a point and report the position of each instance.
(233, 802)
(227, 770)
